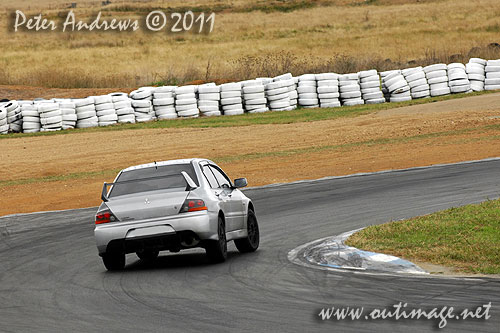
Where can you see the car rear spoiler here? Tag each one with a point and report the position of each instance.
(190, 184)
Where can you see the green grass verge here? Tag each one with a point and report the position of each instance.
(465, 238)
(296, 116)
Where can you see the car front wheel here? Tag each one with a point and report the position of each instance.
(251, 242)
(114, 261)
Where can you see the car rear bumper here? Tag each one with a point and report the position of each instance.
(129, 234)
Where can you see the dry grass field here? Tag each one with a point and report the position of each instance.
(251, 38)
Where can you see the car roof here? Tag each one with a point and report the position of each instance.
(163, 163)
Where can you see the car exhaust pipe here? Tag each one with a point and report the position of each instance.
(189, 240)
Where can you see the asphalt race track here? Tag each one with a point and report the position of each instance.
(51, 278)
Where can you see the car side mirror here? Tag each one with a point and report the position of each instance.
(240, 182)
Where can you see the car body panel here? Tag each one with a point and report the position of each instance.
(198, 222)
(148, 231)
(156, 213)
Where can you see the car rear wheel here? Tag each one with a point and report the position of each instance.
(217, 249)
(114, 261)
(251, 242)
(147, 255)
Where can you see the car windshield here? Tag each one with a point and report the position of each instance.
(152, 179)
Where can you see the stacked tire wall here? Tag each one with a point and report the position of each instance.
(492, 69)
(282, 93)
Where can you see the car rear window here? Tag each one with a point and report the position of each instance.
(165, 177)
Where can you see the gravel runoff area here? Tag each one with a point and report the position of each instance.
(67, 171)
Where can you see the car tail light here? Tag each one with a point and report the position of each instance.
(193, 205)
(105, 216)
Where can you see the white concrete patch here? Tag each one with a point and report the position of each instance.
(332, 252)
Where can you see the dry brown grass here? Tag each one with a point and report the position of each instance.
(251, 38)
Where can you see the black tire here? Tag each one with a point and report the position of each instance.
(147, 255)
(251, 242)
(114, 261)
(217, 249)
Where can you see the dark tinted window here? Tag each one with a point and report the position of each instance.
(221, 177)
(210, 177)
(165, 177)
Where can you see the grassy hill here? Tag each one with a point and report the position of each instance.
(250, 38)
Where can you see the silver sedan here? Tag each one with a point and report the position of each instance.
(173, 205)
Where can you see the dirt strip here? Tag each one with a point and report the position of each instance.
(67, 171)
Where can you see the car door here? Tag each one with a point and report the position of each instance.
(234, 197)
(221, 194)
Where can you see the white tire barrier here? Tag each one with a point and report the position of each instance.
(384, 76)
(186, 104)
(307, 91)
(167, 101)
(254, 96)
(209, 96)
(417, 81)
(232, 105)
(399, 98)
(328, 90)
(102, 100)
(350, 89)
(396, 86)
(142, 103)
(104, 106)
(231, 101)
(435, 67)
(371, 91)
(230, 94)
(212, 114)
(164, 102)
(492, 70)
(352, 102)
(84, 102)
(290, 83)
(141, 93)
(50, 116)
(436, 76)
(68, 112)
(123, 107)
(278, 96)
(105, 110)
(458, 80)
(256, 103)
(281, 93)
(85, 113)
(440, 92)
(4, 126)
(13, 116)
(493, 75)
(31, 118)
